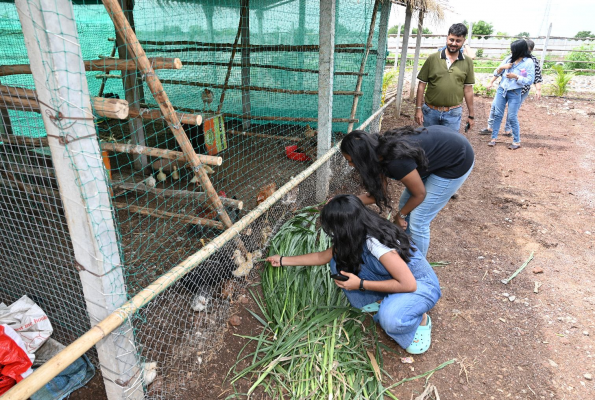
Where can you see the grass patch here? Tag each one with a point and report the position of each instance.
(313, 345)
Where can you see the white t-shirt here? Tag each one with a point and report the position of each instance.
(376, 248)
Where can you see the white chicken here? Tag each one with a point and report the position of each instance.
(150, 182)
(175, 175)
(149, 372)
(161, 175)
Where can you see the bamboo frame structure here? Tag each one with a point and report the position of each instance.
(152, 212)
(101, 65)
(152, 80)
(104, 81)
(140, 187)
(311, 47)
(283, 48)
(119, 147)
(358, 85)
(67, 356)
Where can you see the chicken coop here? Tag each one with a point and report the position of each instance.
(134, 135)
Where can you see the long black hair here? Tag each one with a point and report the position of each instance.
(362, 147)
(371, 153)
(519, 49)
(349, 224)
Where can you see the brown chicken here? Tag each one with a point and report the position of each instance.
(266, 192)
(207, 99)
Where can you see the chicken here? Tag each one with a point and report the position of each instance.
(266, 192)
(207, 99)
(150, 182)
(149, 372)
(244, 265)
(161, 175)
(202, 300)
(175, 175)
(309, 132)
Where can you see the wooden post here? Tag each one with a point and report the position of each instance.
(403, 64)
(245, 20)
(301, 38)
(5, 124)
(229, 66)
(362, 66)
(121, 23)
(420, 25)
(57, 67)
(132, 89)
(380, 62)
(397, 49)
(326, 64)
(544, 51)
(470, 33)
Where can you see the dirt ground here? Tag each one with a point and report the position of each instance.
(508, 340)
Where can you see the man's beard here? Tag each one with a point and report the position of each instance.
(452, 52)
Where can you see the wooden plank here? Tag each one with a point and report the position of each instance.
(152, 212)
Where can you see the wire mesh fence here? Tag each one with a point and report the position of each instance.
(241, 81)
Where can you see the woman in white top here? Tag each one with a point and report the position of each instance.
(380, 264)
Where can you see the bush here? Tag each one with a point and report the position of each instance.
(481, 90)
(561, 81)
(582, 56)
(479, 53)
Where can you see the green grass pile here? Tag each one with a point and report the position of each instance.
(313, 345)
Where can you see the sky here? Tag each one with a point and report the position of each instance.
(515, 16)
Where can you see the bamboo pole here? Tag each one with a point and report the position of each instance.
(245, 61)
(358, 85)
(380, 61)
(140, 187)
(118, 147)
(292, 119)
(26, 100)
(229, 66)
(311, 47)
(72, 352)
(259, 49)
(152, 114)
(152, 212)
(134, 93)
(403, 63)
(104, 81)
(264, 135)
(260, 88)
(123, 26)
(163, 153)
(269, 66)
(101, 65)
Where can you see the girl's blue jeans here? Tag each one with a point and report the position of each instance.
(438, 192)
(513, 99)
(400, 314)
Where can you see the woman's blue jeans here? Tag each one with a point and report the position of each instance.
(508, 127)
(438, 192)
(513, 99)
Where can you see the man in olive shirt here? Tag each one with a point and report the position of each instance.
(449, 77)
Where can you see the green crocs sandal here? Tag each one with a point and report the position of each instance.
(372, 307)
(422, 340)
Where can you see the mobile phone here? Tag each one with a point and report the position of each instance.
(467, 126)
(339, 277)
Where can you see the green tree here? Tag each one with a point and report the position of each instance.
(393, 30)
(481, 28)
(584, 34)
(502, 34)
(523, 34)
(587, 57)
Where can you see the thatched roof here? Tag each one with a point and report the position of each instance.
(434, 9)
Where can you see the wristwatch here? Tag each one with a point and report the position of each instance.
(361, 285)
(470, 117)
(402, 216)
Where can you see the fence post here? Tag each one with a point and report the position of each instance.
(470, 33)
(397, 49)
(420, 24)
(544, 51)
(245, 35)
(57, 67)
(326, 63)
(380, 62)
(403, 64)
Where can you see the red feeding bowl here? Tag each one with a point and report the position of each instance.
(292, 154)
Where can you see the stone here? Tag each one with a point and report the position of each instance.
(538, 270)
(553, 363)
(586, 333)
(235, 320)
(512, 298)
(588, 377)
